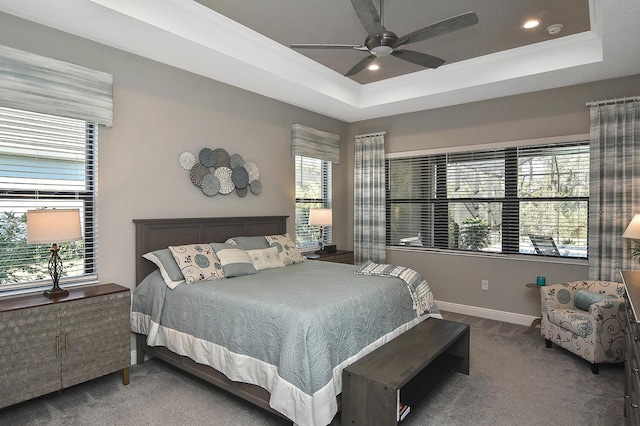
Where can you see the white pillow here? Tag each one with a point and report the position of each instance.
(265, 258)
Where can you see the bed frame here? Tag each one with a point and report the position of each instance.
(155, 234)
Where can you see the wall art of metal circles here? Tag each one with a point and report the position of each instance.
(215, 172)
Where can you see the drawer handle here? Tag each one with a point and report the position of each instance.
(57, 346)
(634, 405)
(635, 369)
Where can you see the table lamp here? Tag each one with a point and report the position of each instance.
(321, 218)
(54, 226)
(633, 232)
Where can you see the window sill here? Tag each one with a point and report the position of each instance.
(495, 256)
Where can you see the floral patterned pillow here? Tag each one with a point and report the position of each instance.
(198, 262)
(287, 249)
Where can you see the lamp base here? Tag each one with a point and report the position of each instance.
(56, 292)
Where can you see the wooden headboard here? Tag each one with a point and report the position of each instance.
(155, 234)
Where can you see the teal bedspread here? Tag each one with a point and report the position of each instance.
(290, 330)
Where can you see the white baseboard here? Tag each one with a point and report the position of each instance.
(134, 359)
(475, 311)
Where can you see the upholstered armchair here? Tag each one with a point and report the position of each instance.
(586, 318)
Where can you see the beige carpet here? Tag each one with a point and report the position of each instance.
(514, 380)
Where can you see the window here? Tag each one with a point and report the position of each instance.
(497, 201)
(313, 190)
(45, 162)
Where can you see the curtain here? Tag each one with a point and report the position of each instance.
(369, 199)
(309, 142)
(614, 186)
(35, 83)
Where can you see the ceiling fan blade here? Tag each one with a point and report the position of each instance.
(368, 15)
(360, 65)
(439, 28)
(327, 46)
(418, 58)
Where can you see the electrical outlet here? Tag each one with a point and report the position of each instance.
(485, 284)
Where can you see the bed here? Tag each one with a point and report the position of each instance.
(278, 338)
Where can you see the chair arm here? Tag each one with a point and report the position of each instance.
(611, 312)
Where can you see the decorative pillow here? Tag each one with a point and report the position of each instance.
(198, 262)
(234, 261)
(287, 249)
(585, 298)
(248, 243)
(267, 258)
(167, 265)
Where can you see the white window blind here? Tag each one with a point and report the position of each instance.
(45, 162)
(32, 82)
(314, 152)
(314, 143)
(492, 201)
(313, 190)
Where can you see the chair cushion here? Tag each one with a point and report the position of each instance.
(576, 322)
(585, 298)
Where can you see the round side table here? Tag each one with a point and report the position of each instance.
(536, 321)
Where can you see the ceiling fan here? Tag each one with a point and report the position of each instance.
(380, 42)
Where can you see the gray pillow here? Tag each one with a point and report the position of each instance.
(585, 298)
(249, 243)
(167, 265)
(234, 261)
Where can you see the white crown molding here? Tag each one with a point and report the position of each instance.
(187, 35)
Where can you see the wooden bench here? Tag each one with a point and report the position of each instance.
(403, 370)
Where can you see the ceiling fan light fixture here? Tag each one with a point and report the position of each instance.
(381, 51)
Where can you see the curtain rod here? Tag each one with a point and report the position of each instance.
(613, 101)
(369, 135)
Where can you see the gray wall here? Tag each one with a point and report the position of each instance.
(160, 111)
(456, 278)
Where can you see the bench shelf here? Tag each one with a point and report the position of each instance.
(405, 369)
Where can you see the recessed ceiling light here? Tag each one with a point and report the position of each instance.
(373, 67)
(531, 23)
(554, 29)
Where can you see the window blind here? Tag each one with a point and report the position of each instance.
(491, 200)
(36, 83)
(313, 191)
(45, 162)
(309, 142)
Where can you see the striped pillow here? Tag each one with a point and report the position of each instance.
(234, 261)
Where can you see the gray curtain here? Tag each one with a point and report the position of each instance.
(39, 84)
(369, 199)
(614, 186)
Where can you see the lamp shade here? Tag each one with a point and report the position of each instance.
(633, 230)
(320, 217)
(53, 226)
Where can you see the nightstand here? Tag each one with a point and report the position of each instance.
(340, 256)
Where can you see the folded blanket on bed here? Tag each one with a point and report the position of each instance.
(418, 287)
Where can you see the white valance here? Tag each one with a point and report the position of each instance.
(309, 142)
(40, 84)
